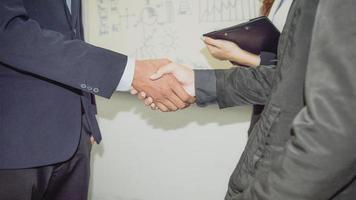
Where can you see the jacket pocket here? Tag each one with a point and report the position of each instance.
(244, 172)
(261, 133)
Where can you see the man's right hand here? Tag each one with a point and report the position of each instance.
(167, 93)
(183, 74)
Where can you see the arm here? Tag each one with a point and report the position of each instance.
(320, 158)
(27, 47)
(242, 85)
(206, 81)
(226, 50)
(228, 87)
(234, 87)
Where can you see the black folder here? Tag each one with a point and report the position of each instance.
(254, 36)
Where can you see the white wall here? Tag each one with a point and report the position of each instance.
(148, 155)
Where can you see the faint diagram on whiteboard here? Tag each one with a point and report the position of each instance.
(185, 7)
(154, 25)
(226, 10)
(161, 13)
(126, 17)
(156, 43)
(113, 17)
(103, 13)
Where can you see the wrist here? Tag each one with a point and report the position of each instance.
(137, 72)
(248, 59)
(127, 76)
(190, 88)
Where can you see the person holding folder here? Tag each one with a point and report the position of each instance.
(227, 50)
(302, 148)
(277, 11)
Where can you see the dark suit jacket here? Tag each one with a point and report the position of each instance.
(303, 145)
(48, 76)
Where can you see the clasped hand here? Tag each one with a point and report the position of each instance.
(170, 86)
(163, 85)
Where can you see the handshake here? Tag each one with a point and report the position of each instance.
(163, 85)
(166, 86)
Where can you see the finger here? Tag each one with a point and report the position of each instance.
(212, 49)
(148, 101)
(212, 42)
(142, 96)
(192, 100)
(153, 106)
(133, 91)
(173, 102)
(180, 92)
(163, 70)
(177, 102)
(170, 105)
(92, 140)
(162, 107)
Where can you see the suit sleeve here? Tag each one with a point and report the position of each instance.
(320, 158)
(27, 47)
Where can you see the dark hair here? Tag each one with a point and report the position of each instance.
(266, 7)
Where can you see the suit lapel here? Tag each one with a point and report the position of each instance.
(75, 12)
(68, 14)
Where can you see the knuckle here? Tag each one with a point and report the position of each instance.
(181, 106)
(186, 98)
(163, 109)
(165, 95)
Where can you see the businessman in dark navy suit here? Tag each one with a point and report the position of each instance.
(48, 79)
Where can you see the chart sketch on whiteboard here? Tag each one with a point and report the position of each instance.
(226, 10)
(166, 28)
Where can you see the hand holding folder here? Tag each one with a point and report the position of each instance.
(254, 36)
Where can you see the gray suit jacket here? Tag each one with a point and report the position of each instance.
(303, 146)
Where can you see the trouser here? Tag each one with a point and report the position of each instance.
(68, 180)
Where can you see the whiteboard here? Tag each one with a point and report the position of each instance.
(172, 29)
(147, 155)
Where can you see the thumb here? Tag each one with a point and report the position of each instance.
(162, 71)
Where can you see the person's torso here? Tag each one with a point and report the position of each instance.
(40, 119)
(270, 134)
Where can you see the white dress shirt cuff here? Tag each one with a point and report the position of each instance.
(127, 78)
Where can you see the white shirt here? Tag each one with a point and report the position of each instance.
(127, 77)
(279, 12)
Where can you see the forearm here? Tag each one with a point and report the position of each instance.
(233, 87)
(247, 59)
(244, 86)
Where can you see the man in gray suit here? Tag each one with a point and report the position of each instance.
(303, 146)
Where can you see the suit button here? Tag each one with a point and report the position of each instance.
(83, 86)
(96, 90)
